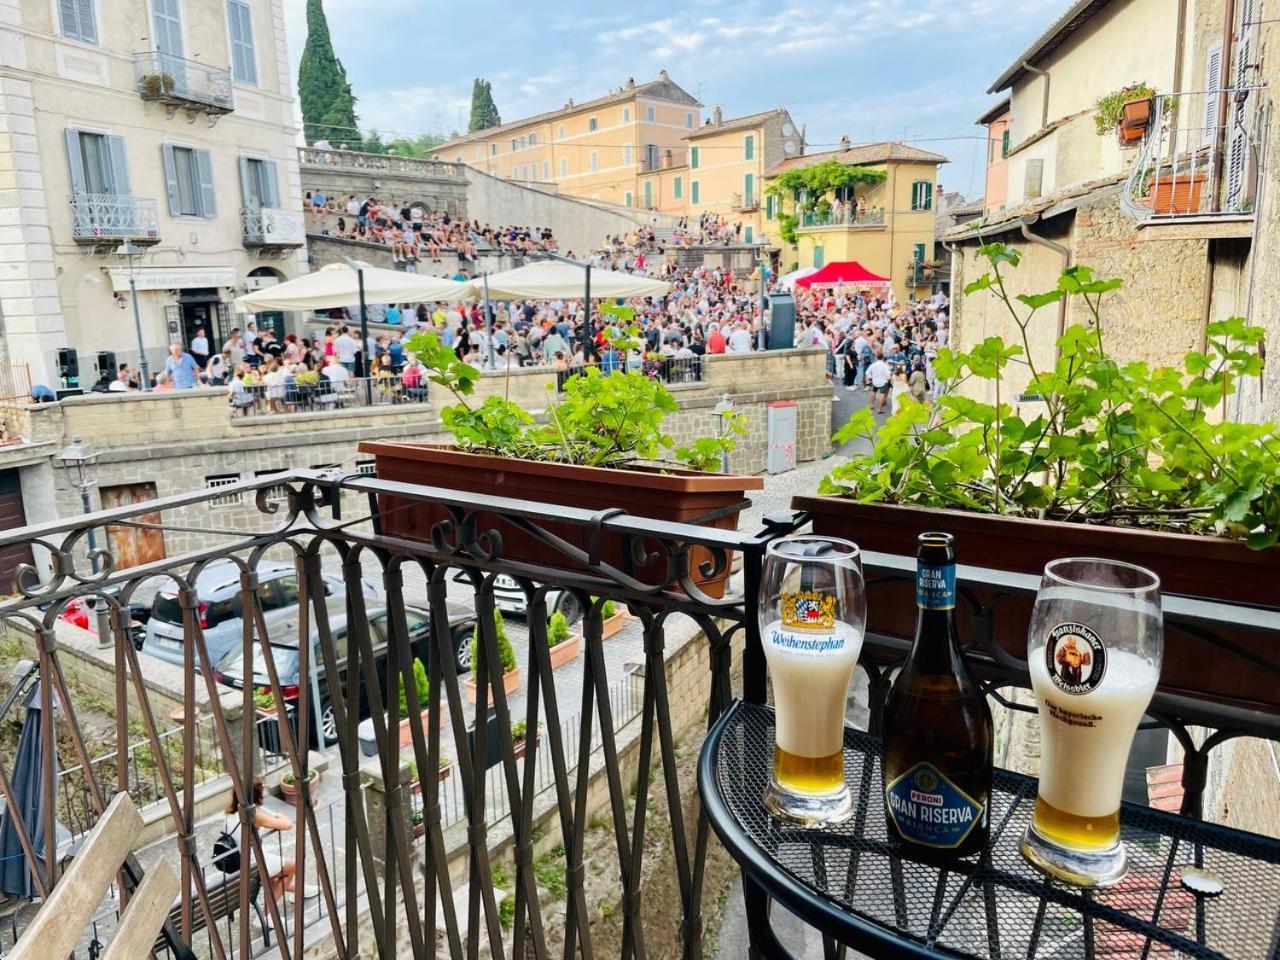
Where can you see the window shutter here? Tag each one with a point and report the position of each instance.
(749, 148)
(170, 178)
(243, 63)
(915, 195)
(204, 170)
(928, 195)
(75, 160)
(271, 188)
(246, 190)
(1212, 83)
(677, 188)
(119, 166)
(693, 157)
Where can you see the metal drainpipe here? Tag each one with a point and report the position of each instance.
(1063, 252)
(1044, 110)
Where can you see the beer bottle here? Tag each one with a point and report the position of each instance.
(938, 738)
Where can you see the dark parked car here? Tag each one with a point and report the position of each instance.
(284, 650)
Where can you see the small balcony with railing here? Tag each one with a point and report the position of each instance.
(1200, 160)
(745, 203)
(180, 84)
(108, 219)
(267, 228)
(842, 216)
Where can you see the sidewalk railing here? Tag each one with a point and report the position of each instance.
(670, 370)
(325, 394)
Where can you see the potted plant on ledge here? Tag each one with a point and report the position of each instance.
(564, 646)
(599, 448)
(506, 653)
(289, 785)
(614, 619)
(423, 684)
(520, 736)
(1127, 111)
(1116, 460)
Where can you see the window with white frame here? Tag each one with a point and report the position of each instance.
(188, 175)
(224, 480)
(560, 131)
(533, 139)
(593, 125)
(77, 21)
(688, 119)
(650, 113)
(626, 155)
(595, 161)
(626, 114)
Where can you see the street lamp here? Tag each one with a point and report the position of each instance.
(722, 410)
(80, 461)
(129, 250)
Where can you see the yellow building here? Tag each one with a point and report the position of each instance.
(598, 149)
(887, 227)
(728, 160)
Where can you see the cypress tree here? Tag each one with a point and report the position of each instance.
(484, 112)
(328, 105)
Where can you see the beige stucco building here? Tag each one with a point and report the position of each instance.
(1174, 211)
(596, 149)
(168, 124)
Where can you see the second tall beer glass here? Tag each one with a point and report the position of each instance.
(812, 613)
(1094, 649)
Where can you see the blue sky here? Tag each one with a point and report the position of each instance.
(915, 70)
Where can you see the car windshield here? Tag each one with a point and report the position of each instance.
(286, 659)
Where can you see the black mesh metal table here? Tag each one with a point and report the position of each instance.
(852, 883)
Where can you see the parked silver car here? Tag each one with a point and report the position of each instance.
(510, 599)
(218, 599)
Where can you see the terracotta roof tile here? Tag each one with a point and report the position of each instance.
(886, 151)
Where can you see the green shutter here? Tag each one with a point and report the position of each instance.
(1004, 144)
(928, 196)
(693, 191)
(768, 206)
(677, 188)
(918, 253)
(747, 234)
(748, 188)
(627, 195)
(693, 158)
(749, 148)
(648, 194)
(819, 257)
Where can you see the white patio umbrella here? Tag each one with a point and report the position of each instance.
(788, 280)
(559, 276)
(339, 285)
(547, 279)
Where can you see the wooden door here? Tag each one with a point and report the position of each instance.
(12, 515)
(133, 546)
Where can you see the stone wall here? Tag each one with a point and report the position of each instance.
(1266, 252)
(1157, 316)
(177, 442)
(578, 226)
(437, 184)
(326, 249)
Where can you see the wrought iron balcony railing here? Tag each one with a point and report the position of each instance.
(1202, 157)
(271, 227)
(101, 218)
(337, 661)
(745, 204)
(185, 84)
(842, 217)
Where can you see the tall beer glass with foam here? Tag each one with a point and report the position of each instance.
(812, 613)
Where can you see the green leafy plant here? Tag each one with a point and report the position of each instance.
(706, 454)
(307, 378)
(1110, 107)
(291, 780)
(1124, 444)
(506, 653)
(520, 731)
(420, 680)
(787, 223)
(817, 182)
(264, 699)
(557, 629)
(608, 609)
(602, 420)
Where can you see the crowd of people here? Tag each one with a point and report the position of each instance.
(415, 234)
(873, 343)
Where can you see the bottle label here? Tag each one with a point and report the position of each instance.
(930, 810)
(936, 586)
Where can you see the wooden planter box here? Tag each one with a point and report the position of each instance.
(566, 652)
(1209, 567)
(613, 624)
(682, 496)
(510, 684)
(1175, 193)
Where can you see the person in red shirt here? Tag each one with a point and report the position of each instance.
(715, 341)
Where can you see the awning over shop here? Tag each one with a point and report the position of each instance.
(172, 278)
(848, 272)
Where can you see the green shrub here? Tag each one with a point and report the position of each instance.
(506, 653)
(420, 680)
(609, 609)
(557, 629)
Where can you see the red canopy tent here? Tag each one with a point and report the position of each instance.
(850, 272)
